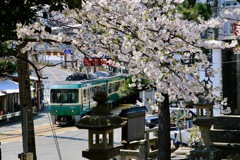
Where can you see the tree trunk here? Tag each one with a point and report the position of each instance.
(164, 144)
(26, 105)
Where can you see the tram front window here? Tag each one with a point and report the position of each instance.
(64, 96)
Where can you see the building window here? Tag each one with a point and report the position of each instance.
(225, 29)
(231, 27)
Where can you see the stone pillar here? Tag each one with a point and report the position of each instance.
(205, 134)
(142, 150)
(237, 108)
(230, 77)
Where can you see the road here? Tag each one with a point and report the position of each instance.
(63, 143)
(52, 142)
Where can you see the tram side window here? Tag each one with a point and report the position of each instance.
(110, 88)
(53, 96)
(113, 87)
(86, 94)
(93, 90)
(117, 85)
(102, 87)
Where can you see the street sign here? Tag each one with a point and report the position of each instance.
(67, 51)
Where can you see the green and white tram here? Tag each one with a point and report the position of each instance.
(70, 100)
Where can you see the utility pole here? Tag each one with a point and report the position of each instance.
(28, 134)
(35, 60)
(215, 8)
(215, 14)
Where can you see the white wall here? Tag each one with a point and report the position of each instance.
(217, 79)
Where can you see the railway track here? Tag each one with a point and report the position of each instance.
(43, 130)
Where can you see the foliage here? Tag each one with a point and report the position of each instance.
(25, 12)
(191, 11)
(8, 67)
(127, 91)
(195, 138)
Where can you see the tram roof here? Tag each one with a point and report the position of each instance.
(83, 83)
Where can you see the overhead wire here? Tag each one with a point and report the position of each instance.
(54, 132)
(55, 138)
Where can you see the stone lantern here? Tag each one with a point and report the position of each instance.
(205, 120)
(101, 124)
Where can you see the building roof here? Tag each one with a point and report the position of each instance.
(8, 85)
(2, 94)
(34, 78)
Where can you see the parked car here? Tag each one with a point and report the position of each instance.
(151, 121)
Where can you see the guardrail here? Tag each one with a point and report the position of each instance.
(10, 115)
(14, 114)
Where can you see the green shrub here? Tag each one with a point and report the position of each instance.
(8, 67)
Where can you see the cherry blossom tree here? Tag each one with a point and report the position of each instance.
(148, 38)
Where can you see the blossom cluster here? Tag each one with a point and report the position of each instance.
(144, 36)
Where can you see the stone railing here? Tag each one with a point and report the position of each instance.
(140, 150)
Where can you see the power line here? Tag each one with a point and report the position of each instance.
(235, 61)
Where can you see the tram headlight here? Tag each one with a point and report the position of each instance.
(55, 110)
(72, 111)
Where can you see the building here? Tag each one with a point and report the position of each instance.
(228, 28)
(9, 96)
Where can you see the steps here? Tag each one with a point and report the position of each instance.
(182, 153)
(225, 134)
